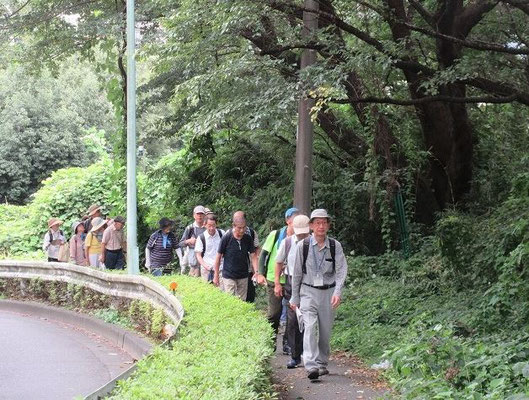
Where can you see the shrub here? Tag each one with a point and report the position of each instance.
(221, 352)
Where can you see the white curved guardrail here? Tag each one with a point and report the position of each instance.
(128, 286)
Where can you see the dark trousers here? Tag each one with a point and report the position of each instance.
(294, 336)
(274, 306)
(51, 259)
(114, 259)
(250, 295)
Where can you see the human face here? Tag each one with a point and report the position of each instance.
(79, 229)
(320, 226)
(238, 230)
(55, 227)
(118, 225)
(199, 218)
(302, 236)
(211, 226)
(167, 229)
(290, 220)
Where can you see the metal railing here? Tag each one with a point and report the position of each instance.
(118, 285)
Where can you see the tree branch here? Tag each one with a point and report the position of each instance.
(431, 99)
(473, 44)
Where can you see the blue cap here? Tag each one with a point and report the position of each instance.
(291, 211)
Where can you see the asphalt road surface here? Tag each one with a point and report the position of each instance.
(44, 359)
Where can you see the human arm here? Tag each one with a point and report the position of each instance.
(341, 274)
(279, 266)
(87, 243)
(216, 276)
(73, 249)
(46, 242)
(297, 275)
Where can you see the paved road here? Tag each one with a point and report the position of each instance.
(43, 359)
(348, 380)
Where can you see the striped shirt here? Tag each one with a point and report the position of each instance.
(161, 255)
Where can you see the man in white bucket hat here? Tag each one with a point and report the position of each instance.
(319, 273)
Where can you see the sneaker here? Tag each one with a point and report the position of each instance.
(313, 373)
(323, 371)
(286, 349)
(293, 363)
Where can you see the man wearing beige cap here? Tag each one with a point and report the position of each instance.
(319, 273)
(285, 260)
(53, 239)
(189, 238)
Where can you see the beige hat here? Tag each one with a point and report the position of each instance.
(199, 210)
(93, 209)
(54, 221)
(301, 224)
(97, 223)
(319, 213)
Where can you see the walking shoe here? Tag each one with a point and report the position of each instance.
(293, 363)
(313, 373)
(323, 371)
(286, 349)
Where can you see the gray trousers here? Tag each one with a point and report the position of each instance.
(318, 318)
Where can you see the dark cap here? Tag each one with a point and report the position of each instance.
(120, 219)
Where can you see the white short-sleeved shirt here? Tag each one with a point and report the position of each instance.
(212, 246)
(290, 258)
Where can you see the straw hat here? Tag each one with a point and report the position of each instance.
(54, 221)
(97, 223)
(93, 209)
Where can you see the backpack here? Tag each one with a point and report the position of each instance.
(276, 237)
(203, 240)
(64, 249)
(306, 244)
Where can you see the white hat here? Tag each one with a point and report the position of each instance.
(319, 213)
(199, 210)
(301, 224)
(97, 223)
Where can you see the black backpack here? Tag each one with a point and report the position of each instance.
(51, 235)
(203, 240)
(306, 244)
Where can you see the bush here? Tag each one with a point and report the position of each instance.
(221, 352)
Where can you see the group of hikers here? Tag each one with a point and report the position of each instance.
(298, 264)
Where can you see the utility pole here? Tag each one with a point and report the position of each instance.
(132, 240)
(305, 133)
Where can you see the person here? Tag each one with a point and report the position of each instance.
(92, 243)
(206, 248)
(285, 260)
(252, 279)
(236, 249)
(113, 245)
(267, 261)
(77, 252)
(53, 239)
(94, 211)
(189, 238)
(319, 273)
(160, 247)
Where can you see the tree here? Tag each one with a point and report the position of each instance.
(43, 121)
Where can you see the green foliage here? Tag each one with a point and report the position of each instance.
(46, 123)
(221, 352)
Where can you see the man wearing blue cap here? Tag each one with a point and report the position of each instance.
(267, 267)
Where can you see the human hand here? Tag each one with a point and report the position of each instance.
(293, 306)
(261, 279)
(335, 301)
(278, 290)
(216, 279)
(191, 241)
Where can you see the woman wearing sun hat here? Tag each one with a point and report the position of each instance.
(53, 239)
(93, 242)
